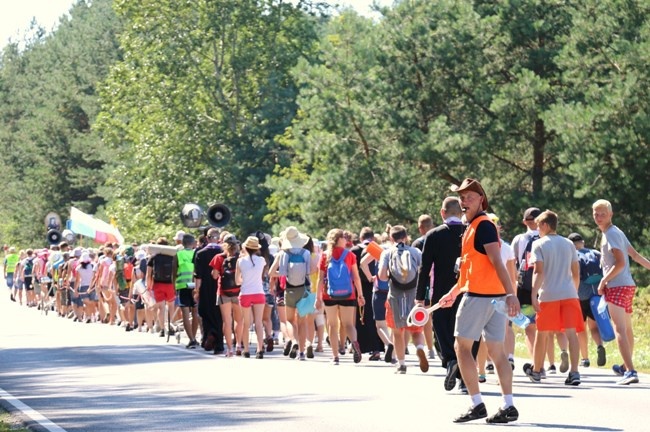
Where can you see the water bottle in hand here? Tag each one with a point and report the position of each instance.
(520, 319)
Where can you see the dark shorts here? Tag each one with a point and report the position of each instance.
(29, 285)
(124, 297)
(586, 310)
(379, 305)
(185, 297)
(65, 297)
(344, 303)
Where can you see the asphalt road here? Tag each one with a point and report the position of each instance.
(94, 377)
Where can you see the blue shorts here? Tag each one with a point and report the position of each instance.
(10, 280)
(379, 305)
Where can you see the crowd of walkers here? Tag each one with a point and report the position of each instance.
(360, 293)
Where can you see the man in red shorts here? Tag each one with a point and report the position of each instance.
(618, 285)
(159, 279)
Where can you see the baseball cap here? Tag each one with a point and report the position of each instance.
(531, 213)
(574, 237)
(230, 238)
(179, 235)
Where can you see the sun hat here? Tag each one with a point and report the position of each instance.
(293, 239)
(251, 242)
(470, 184)
(85, 258)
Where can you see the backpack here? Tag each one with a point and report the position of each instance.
(228, 286)
(525, 272)
(402, 268)
(128, 271)
(29, 267)
(297, 269)
(119, 272)
(339, 279)
(590, 271)
(162, 268)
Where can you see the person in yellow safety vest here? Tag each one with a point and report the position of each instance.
(183, 281)
(10, 263)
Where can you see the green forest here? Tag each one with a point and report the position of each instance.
(301, 114)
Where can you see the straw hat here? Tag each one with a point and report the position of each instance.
(293, 239)
(251, 242)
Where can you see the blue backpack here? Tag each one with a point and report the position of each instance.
(339, 280)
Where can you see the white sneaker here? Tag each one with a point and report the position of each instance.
(432, 354)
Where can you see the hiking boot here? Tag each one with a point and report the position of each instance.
(630, 377)
(619, 370)
(474, 413)
(564, 362)
(294, 351)
(401, 369)
(260, 354)
(287, 348)
(269, 344)
(450, 378)
(585, 363)
(573, 379)
(422, 357)
(552, 370)
(602, 356)
(489, 368)
(531, 374)
(389, 353)
(506, 415)
(356, 352)
(310, 352)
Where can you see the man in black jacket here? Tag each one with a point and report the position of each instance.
(441, 250)
(206, 293)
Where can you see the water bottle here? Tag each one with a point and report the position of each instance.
(520, 319)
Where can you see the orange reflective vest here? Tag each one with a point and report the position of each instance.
(477, 274)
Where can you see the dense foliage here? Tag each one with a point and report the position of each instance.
(290, 115)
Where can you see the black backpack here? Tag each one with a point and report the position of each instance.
(162, 268)
(525, 273)
(229, 287)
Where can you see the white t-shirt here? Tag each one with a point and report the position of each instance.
(251, 268)
(85, 274)
(507, 253)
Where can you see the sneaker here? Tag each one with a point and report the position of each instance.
(481, 378)
(619, 370)
(310, 352)
(294, 351)
(162, 333)
(260, 354)
(564, 361)
(462, 388)
(504, 415)
(531, 374)
(602, 356)
(489, 368)
(389, 353)
(335, 361)
(432, 354)
(512, 363)
(573, 379)
(474, 413)
(269, 344)
(630, 377)
(247, 354)
(375, 356)
(356, 352)
(287, 348)
(401, 369)
(585, 363)
(192, 345)
(422, 357)
(542, 373)
(552, 370)
(302, 357)
(450, 378)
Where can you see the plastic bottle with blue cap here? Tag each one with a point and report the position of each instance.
(520, 319)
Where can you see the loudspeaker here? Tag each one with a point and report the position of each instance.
(68, 236)
(53, 237)
(218, 215)
(191, 215)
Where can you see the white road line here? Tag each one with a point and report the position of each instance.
(31, 413)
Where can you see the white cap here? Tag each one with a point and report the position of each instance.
(179, 235)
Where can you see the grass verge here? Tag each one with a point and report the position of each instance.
(9, 423)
